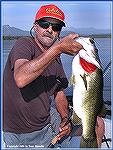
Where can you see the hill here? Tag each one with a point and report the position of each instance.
(12, 32)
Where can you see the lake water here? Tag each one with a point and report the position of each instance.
(104, 49)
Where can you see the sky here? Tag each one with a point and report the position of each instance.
(85, 14)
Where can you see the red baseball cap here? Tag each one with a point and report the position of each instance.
(50, 11)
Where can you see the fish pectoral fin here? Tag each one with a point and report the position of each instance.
(84, 80)
(72, 80)
(75, 119)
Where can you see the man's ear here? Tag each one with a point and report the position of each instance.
(34, 26)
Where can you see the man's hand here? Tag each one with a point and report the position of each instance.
(68, 44)
(100, 130)
(65, 128)
(62, 108)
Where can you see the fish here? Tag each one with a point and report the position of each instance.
(87, 80)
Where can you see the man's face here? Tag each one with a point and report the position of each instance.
(47, 33)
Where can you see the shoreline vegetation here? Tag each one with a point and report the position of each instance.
(92, 36)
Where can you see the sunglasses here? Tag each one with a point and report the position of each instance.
(45, 24)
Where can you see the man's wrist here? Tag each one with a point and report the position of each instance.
(65, 118)
(58, 48)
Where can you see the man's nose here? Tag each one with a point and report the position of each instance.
(50, 29)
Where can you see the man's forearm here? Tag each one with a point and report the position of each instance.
(62, 104)
(30, 70)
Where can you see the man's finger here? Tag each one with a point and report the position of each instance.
(63, 133)
(63, 128)
(73, 35)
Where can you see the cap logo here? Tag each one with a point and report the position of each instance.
(53, 11)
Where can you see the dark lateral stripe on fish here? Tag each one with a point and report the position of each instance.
(88, 67)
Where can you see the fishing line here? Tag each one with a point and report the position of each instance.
(108, 65)
(106, 69)
(95, 42)
(105, 140)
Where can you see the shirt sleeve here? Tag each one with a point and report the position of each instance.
(21, 50)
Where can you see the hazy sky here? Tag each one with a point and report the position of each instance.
(78, 14)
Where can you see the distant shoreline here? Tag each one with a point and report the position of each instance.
(101, 36)
(93, 36)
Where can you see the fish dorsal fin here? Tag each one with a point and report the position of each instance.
(88, 67)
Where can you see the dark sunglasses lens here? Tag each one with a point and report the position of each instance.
(56, 27)
(43, 24)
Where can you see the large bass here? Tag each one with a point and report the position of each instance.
(87, 79)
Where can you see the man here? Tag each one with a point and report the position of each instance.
(33, 73)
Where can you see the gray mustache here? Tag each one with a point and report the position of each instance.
(48, 35)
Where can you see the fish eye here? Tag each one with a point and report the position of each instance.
(91, 40)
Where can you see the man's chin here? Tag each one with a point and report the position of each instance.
(48, 44)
